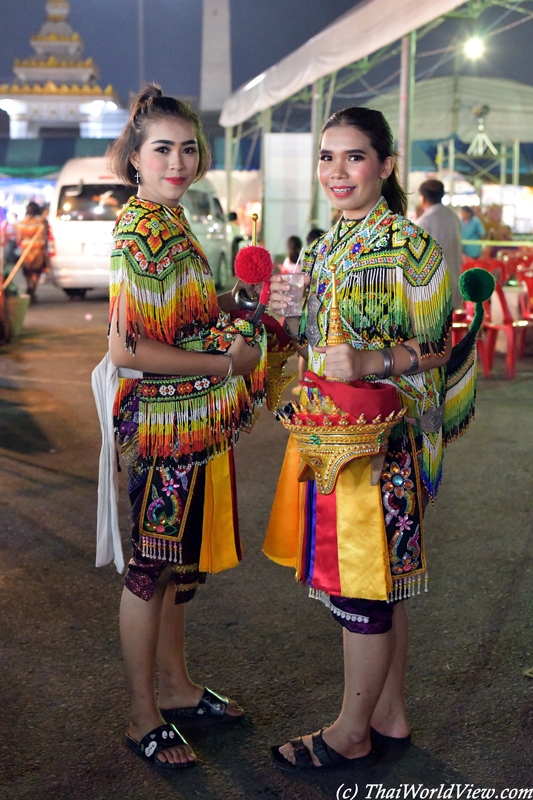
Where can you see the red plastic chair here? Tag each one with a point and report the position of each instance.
(492, 265)
(459, 325)
(526, 300)
(514, 330)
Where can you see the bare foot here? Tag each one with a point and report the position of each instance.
(189, 696)
(171, 755)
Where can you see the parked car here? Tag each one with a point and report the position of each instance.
(208, 223)
(84, 210)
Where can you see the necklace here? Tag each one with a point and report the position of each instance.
(364, 232)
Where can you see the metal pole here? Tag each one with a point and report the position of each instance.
(503, 167)
(516, 162)
(140, 8)
(329, 97)
(316, 125)
(440, 160)
(237, 148)
(228, 164)
(407, 91)
(451, 167)
(266, 121)
(457, 63)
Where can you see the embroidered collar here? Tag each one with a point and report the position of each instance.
(363, 232)
(176, 216)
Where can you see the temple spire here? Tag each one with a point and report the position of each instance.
(58, 51)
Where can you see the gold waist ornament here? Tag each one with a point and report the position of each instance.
(326, 449)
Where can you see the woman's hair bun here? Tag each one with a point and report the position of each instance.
(151, 105)
(149, 92)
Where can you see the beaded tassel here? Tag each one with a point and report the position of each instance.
(162, 549)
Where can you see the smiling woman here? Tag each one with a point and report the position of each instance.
(181, 401)
(360, 547)
(151, 106)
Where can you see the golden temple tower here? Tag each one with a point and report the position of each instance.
(55, 91)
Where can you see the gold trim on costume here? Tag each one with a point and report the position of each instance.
(325, 450)
(182, 568)
(186, 587)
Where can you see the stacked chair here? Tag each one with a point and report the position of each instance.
(520, 265)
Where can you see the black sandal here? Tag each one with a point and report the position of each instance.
(154, 742)
(328, 757)
(389, 745)
(211, 707)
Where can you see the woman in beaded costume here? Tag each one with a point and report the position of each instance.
(363, 555)
(181, 400)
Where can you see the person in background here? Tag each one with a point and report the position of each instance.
(294, 247)
(35, 262)
(443, 225)
(471, 228)
(313, 235)
(495, 230)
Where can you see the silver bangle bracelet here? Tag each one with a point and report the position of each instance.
(415, 363)
(230, 368)
(388, 363)
(292, 336)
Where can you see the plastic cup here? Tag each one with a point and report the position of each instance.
(295, 295)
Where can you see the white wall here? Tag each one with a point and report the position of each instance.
(289, 165)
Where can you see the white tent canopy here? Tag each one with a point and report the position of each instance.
(510, 103)
(358, 33)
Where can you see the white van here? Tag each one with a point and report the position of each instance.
(84, 210)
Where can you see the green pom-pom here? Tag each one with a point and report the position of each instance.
(476, 285)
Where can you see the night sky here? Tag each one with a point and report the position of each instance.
(262, 34)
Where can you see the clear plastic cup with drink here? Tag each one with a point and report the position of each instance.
(295, 295)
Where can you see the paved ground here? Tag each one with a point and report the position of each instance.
(252, 631)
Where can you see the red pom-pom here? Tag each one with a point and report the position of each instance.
(253, 265)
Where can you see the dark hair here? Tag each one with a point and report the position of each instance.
(294, 246)
(468, 210)
(374, 125)
(314, 234)
(432, 191)
(32, 209)
(149, 105)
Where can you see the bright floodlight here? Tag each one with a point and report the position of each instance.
(474, 48)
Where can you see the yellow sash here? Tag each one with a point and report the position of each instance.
(283, 532)
(361, 538)
(218, 550)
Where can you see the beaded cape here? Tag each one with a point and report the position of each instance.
(164, 273)
(393, 285)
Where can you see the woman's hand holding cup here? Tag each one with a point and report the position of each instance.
(286, 293)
